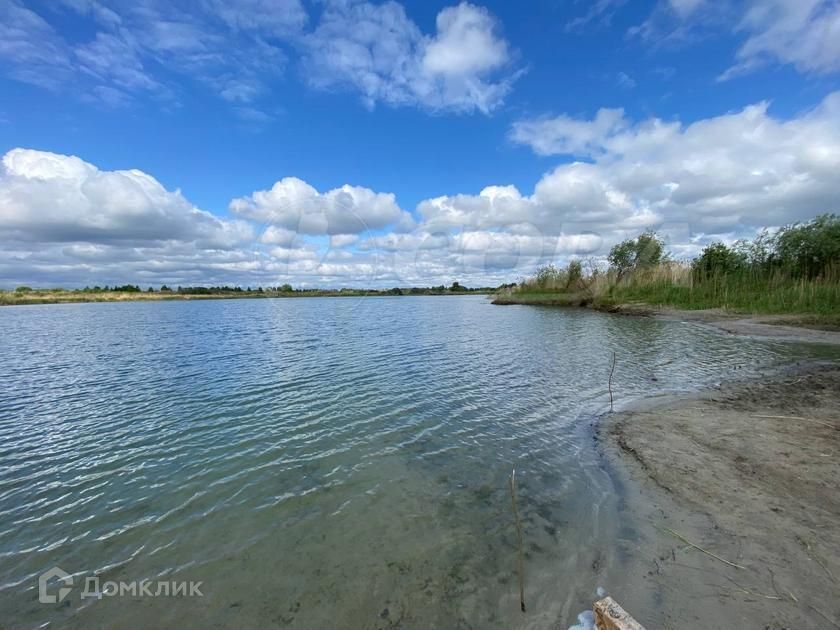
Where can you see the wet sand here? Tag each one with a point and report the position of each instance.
(792, 328)
(749, 472)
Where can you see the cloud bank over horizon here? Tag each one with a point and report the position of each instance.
(65, 222)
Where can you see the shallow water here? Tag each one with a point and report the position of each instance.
(324, 462)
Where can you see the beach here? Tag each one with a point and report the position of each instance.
(734, 494)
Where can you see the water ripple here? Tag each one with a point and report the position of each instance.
(146, 439)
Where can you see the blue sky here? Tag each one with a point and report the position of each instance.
(417, 107)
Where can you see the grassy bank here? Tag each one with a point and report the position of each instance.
(740, 292)
(794, 272)
(816, 303)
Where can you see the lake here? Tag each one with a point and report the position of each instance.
(324, 462)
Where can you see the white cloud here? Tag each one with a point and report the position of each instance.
(64, 221)
(230, 46)
(684, 8)
(30, 48)
(51, 198)
(239, 48)
(294, 205)
(564, 134)
(272, 18)
(739, 170)
(465, 43)
(599, 12)
(339, 241)
(626, 81)
(803, 33)
(379, 51)
(273, 235)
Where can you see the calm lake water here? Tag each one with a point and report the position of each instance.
(323, 462)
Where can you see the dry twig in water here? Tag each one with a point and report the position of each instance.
(609, 384)
(699, 548)
(519, 537)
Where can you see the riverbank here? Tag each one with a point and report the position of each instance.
(749, 473)
(13, 298)
(804, 328)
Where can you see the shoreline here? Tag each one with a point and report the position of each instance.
(781, 327)
(96, 298)
(747, 471)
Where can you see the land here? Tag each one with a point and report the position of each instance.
(803, 327)
(734, 493)
(65, 296)
(790, 276)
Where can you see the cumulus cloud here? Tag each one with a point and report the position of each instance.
(64, 221)
(572, 136)
(339, 241)
(380, 52)
(733, 172)
(239, 48)
(46, 197)
(294, 205)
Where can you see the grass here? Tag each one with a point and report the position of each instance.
(674, 285)
(743, 292)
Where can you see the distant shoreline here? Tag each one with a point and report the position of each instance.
(34, 297)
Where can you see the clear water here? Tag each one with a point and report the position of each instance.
(323, 462)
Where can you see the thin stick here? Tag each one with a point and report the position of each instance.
(747, 591)
(519, 536)
(825, 424)
(609, 385)
(699, 548)
(824, 616)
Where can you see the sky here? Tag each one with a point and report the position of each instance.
(332, 143)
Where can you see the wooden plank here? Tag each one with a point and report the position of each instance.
(610, 616)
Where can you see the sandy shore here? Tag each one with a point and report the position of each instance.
(800, 328)
(793, 328)
(749, 472)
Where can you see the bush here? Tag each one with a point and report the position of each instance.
(808, 249)
(718, 259)
(647, 250)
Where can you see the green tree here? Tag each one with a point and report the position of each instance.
(646, 250)
(286, 288)
(549, 277)
(574, 274)
(807, 249)
(718, 259)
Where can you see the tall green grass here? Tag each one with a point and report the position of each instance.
(794, 270)
(678, 285)
(744, 291)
